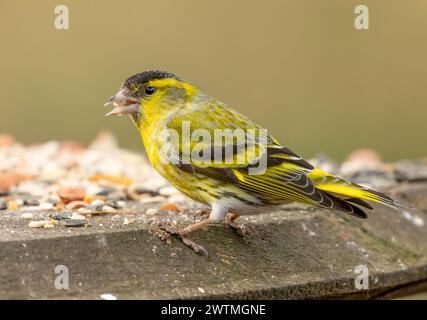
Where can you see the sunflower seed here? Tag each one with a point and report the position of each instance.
(75, 223)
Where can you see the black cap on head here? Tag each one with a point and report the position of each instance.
(146, 76)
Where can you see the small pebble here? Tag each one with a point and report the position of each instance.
(121, 203)
(91, 198)
(46, 206)
(105, 192)
(151, 212)
(117, 196)
(108, 209)
(97, 202)
(361, 160)
(30, 209)
(3, 205)
(94, 208)
(69, 194)
(63, 215)
(75, 223)
(37, 224)
(418, 221)
(53, 201)
(85, 210)
(53, 221)
(49, 226)
(12, 205)
(10, 179)
(108, 296)
(27, 216)
(178, 198)
(31, 202)
(74, 205)
(167, 191)
(76, 216)
(152, 199)
(139, 189)
(170, 207)
(116, 204)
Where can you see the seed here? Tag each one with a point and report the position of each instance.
(12, 205)
(76, 216)
(85, 210)
(151, 212)
(46, 206)
(53, 221)
(31, 201)
(94, 208)
(75, 223)
(37, 224)
(63, 215)
(105, 192)
(49, 226)
(108, 209)
(68, 195)
(27, 216)
(116, 204)
(74, 205)
(170, 207)
(144, 190)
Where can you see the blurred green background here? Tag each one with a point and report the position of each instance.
(298, 68)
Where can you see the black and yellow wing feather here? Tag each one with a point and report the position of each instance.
(287, 177)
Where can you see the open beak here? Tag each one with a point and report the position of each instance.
(123, 104)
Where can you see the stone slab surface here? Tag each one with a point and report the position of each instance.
(297, 253)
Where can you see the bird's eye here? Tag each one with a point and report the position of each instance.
(150, 90)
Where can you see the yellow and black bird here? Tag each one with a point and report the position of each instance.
(157, 101)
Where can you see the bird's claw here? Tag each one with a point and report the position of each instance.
(246, 230)
(196, 247)
(242, 228)
(201, 215)
(164, 230)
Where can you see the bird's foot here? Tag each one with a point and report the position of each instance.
(197, 248)
(242, 228)
(165, 230)
(201, 215)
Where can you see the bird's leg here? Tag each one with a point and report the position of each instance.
(245, 229)
(195, 226)
(165, 230)
(216, 215)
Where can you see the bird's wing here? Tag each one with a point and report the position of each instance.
(284, 175)
(233, 141)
